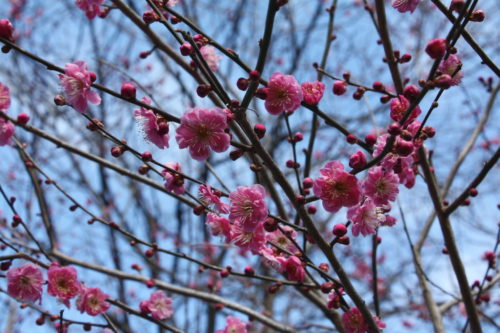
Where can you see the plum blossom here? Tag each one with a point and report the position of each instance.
(212, 199)
(234, 325)
(173, 181)
(76, 82)
(313, 92)
(25, 282)
(450, 66)
(154, 128)
(279, 238)
(334, 300)
(398, 107)
(219, 226)
(355, 323)
(7, 130)
(365, 218)
(381, 185)
(158, 305)
(63, 283)
(4, 97)
(293, 268)
(253, 241)
(201, 130)
(248, 206)
(336, 188)
(92, 301)
(90, 7)
(211, 57)
(283, 94)
(405, 5)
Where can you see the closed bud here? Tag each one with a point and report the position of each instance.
(339, 230)
(339, 87)
(128, 90)
(477, 16)
(186, 49)
(242, 84)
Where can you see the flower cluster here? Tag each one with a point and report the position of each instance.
(233, 325)
(25, 283)
(90, 7)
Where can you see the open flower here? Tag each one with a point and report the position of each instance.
(381, 185)
(92, 301)
(25, 282)
(158, 305)
(365, 218)
(212, 199)
(201, 130)
(154, 128)
(336, 188)
(254, 241)
(211, 57)
(234, 325)
(76, 82)
(398, 107)
(63, 283)
(293, 268)
(219, 226)
(91, 7)
(174, 181)
(283, 94)
(248, 206)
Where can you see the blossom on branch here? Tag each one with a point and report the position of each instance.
(154, 128)
(211, 57)
(248, 206)
(158, 305)
(90, 7)
(92, 301)
(25, 282)
(201, 130)
(4, 97)
(405, 5)
(174, 181)
(63, 283)
(336, 188)
(313, 92)
(283, 94)
(234, 325)
(76, 82)
(365, 218)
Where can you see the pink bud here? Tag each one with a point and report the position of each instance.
(339, 230)
(23, 118)
(357, 160)
(339, 87)
(128, 90)
(436, 48)
(186, 49)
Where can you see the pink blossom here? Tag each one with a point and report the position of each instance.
(334, 300)
(4, 98)
(293, 268)
(399, 105)
(313, 92)
(159, 305)
(253, 241)
(91, 7)
(336, 188)
(173, 181)
(248, 206)
(381, 185)
(270, 257)
(365, 218)
(450, 66)
(279, 238)
(7, 130)
(76, 83)
(354, 322)
(25, 282)
(283, 94)
(63, 283)
(219, 226)
(211, 57)
(234, 325)
(405, 5)
(202, 129)
(92, 301)
(6, 30)
(154, 128)
(212, 199)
